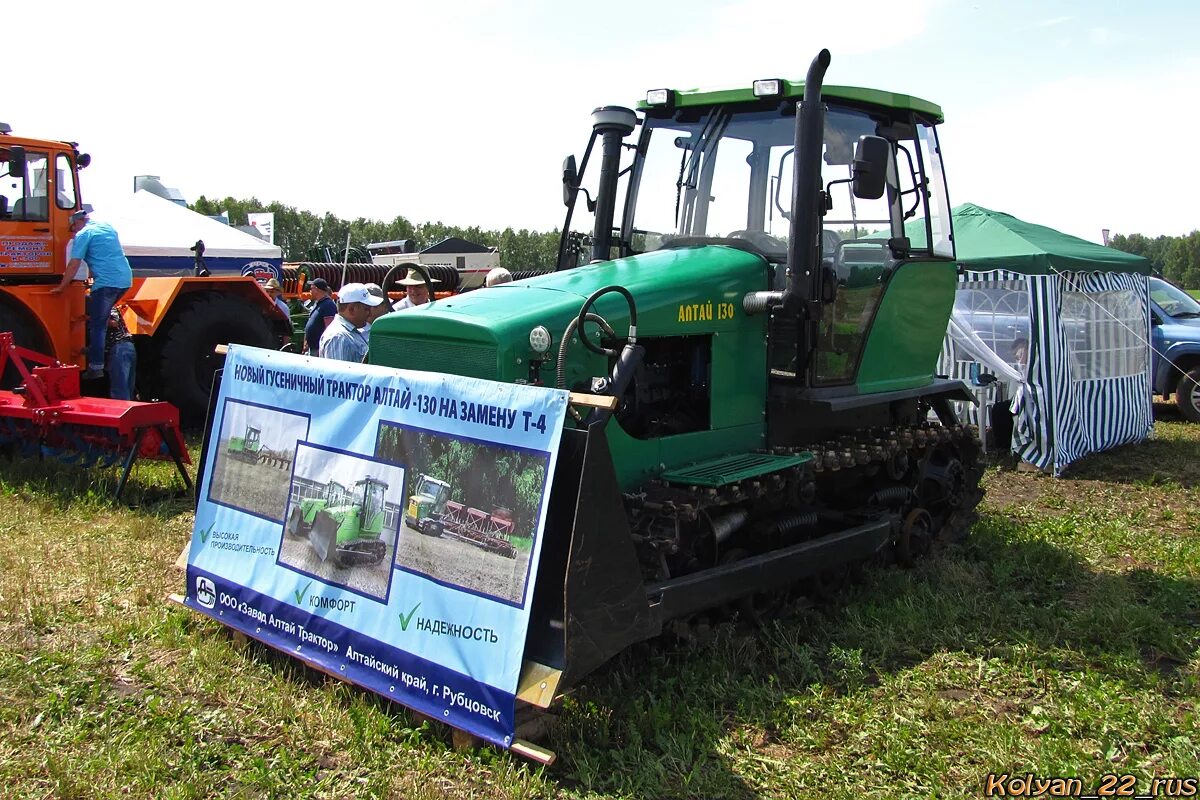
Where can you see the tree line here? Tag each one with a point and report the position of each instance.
(1176, 258)
(305, 236)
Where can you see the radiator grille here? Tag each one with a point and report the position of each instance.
(458, 358)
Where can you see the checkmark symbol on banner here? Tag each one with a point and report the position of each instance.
(405, 619)
(299, 593)
(205, 532)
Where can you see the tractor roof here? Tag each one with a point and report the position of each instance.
(795, 89)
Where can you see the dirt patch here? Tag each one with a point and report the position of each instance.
(259, 489)
(460, 563)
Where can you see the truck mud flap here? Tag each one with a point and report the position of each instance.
(589, 598)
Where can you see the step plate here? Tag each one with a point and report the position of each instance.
(725, 470)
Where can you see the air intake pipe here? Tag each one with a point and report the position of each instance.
(611, 124)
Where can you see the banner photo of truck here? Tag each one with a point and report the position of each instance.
(312, 550)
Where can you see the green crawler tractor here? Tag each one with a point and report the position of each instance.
(245, 448)
(763, 280)
(346, 524)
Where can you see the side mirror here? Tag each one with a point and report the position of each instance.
(16, 161)
(82, 160)
(870, 167)
(570, 179)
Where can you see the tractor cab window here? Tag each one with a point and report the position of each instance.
(26, 198)
(64, 181)
(372, 502)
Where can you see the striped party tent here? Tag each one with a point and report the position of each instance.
(1063, 325)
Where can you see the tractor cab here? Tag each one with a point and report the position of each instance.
(834, 217)
(372, 494)
(336, 494)
(427, 500)
(252, 438)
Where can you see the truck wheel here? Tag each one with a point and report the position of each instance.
(26, 333)
(1187, 395)
(188, 361)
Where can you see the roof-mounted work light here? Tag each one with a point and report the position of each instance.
(767, 87)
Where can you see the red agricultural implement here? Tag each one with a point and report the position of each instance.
(489, 531)
(47, 416)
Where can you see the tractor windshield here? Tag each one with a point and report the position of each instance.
(721, 172)
(372, 499)
(439, 491)
(25, 198)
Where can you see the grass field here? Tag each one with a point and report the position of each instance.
(1062, 638)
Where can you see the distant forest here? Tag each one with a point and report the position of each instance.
(1176, 258)
(305, 236)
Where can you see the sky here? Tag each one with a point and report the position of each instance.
(463, 110)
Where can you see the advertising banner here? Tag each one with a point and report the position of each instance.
(383, 525)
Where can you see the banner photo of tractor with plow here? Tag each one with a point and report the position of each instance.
(381, 525)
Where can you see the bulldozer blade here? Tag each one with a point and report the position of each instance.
(323, 535)
(589, 598)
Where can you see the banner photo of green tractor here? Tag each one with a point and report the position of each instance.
(342, 518)
(253, 458)
(471, 511)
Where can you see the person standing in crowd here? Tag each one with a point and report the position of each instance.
(324, 311)
(384, 307)
(275, 291)
(98, 244)
(120, 358)
(497, 276)
(415, 289)
(342, 339)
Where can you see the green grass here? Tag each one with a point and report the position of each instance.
(1062, 637)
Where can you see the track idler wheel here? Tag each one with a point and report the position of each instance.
(916, 535)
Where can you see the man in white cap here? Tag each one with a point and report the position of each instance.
(342, 340)
(497, 276)
(384, 307)
(416, 290)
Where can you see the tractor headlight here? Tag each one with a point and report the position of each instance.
(540, 339)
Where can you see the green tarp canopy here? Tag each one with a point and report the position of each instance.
(986, 240)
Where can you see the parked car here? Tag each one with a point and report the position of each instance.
(1175, 337)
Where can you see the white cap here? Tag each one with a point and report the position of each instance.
(357, 293)
(497, 275)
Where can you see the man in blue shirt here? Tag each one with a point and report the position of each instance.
(342, 340)
(98, 245)
(323, 312)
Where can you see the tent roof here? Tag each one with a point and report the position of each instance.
(986, 240)
(149, 225)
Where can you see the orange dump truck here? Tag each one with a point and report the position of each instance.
(176, 321)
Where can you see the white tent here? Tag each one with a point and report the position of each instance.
(158, 235)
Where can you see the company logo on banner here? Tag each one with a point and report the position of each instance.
(261, 270)
(264, 223)
(383, 525)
